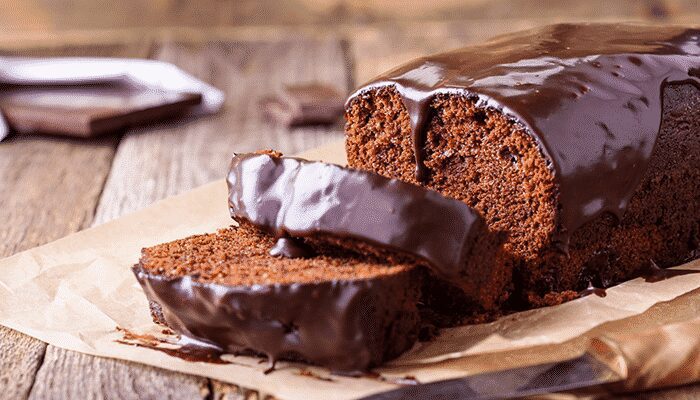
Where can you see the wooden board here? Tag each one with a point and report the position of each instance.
(49, 188)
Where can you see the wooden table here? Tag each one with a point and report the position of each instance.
(50, 187)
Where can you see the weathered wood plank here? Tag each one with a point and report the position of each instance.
(157, 162)
(20, 357)
(49, 187)
(100, 378)
(380, 47)
(47, 15)
(93, 44)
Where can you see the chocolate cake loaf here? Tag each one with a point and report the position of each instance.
(582, 142)
(365, 212)
(558, 158)
(335, 308)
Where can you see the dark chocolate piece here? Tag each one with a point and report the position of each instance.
(589, 94)
(299, 198)
(89, 110)
(310, 104)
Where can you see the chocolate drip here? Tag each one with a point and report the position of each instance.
(299, 198)
(600, 292)
(654, 273)
(291, 248)
(191, 353)
(185, 349)
(311, 374)
(407, 380)
(419, 113)
(590, 95)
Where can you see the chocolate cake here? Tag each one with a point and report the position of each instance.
(553, 160)
(370, 214)
(335, 308)
(580, 141)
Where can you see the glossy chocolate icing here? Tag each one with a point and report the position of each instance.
(342, 325)
(290, 196)
(590, 95)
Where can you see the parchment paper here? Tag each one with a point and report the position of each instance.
(74, 292)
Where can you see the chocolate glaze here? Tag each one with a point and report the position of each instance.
(342, 325)
(186, 349)
(290, 196)
(600, 292)
(589, 94)
(654, 273)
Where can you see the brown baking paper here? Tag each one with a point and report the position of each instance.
(74, 293)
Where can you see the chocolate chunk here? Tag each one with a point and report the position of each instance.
(298, 105)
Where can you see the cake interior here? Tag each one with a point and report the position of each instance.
(489, 161)
(238, 256)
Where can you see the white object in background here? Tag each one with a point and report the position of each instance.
(158, 75)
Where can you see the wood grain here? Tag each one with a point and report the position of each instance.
(100, 378)
(48, 15)
(93, 44)
(378, 48)
(48, 188)
(20, 357)
(156, 162)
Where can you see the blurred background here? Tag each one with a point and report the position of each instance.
(409, 27)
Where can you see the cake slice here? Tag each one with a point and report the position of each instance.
(580, 141)
(335, 308)
(399, 222)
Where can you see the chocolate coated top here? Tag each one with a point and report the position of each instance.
(590, 95)
(299, 198)
(326, 323)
